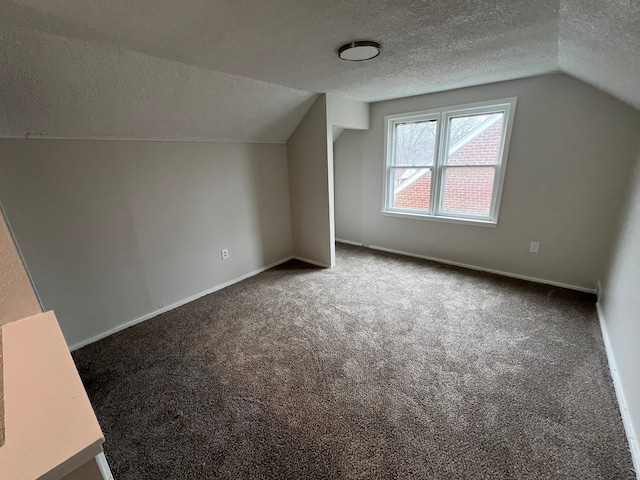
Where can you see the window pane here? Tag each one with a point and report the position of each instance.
(415, 143)
(411, 188)
(475, 139)
(467, 190)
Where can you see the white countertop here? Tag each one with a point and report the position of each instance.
(50, 426)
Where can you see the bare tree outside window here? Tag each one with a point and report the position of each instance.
(416, 141)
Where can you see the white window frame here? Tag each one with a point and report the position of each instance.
(443, 116)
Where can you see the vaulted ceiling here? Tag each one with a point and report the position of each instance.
(249, 69)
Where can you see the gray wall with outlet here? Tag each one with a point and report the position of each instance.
(113, 231)
(572, 147)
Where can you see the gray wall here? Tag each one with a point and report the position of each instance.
(347, 113)
(571, 152)
(311, 180)
(311, 187)
(115, 230)
(620, 309)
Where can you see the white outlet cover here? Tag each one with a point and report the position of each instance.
(535, 247)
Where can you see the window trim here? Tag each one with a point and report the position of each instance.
(443, 115)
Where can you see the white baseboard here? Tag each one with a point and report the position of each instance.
(632, 438)
(101, 460)
(312, 262)
(348, 242)
(599, 291)
(488, 270)
(174, 305)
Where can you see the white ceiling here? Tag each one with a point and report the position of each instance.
(599, 43)
(52, 86)
(200, 58)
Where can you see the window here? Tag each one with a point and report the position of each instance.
(448, 164)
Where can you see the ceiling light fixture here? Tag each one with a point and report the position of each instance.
(358, 51)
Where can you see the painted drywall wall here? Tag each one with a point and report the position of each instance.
(348, 197)
(17, 298)
(311, 176)
(620, 311)
(347, 113)
(571, 152)
(344, 113)
(115, 230)
(309, 157)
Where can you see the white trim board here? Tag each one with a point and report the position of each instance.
(632, 438)
(348, 242)
(488, 270)
(103, 466)
(174, 305)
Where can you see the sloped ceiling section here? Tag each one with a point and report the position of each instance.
(600, 44)
(54, 86)
(219, 69)
(428, 45)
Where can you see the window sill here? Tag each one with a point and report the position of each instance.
(430, 218)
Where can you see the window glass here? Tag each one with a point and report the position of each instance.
(467, 190)
(412, 188)
(475, 140)
(415, 143)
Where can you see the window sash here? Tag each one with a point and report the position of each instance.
(391, 192)
(447, 213)
(411, 119)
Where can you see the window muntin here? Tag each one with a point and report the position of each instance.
(448, 164)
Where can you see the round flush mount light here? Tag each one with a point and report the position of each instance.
(358, 51)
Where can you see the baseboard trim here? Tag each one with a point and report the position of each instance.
(312, 262)
(155, 313)
(488, 270)
(103, 466)
(349, 242)
(622, 401)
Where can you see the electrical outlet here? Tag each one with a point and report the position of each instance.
(224, 253)
(535, 247)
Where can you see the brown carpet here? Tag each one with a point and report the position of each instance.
(384, 367)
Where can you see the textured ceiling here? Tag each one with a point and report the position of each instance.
(428, 45)
(141, 45)
(600, 44)
(53, 86)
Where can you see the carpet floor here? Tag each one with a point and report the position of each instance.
(384, 367)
